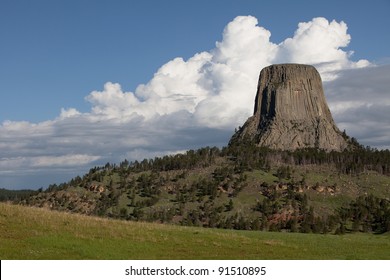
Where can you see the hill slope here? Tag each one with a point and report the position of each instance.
(243, 187)
(32, 233)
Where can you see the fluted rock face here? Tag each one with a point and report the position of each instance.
(291, 111)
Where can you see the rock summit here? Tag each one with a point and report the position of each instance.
(291, 111)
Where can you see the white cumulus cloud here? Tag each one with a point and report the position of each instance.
(319, 42)
(217, 87)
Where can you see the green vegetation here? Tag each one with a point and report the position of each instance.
(36, 233)
(16, 195)
(239, 187)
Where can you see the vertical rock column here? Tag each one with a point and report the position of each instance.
(291, 111)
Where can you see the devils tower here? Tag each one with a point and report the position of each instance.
(291, 111)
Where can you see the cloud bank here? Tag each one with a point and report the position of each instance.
(360, 103)
(187, 104)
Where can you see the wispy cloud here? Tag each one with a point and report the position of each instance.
(187, 104)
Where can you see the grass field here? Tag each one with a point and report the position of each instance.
(34, 233)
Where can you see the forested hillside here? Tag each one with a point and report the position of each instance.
(240, 186)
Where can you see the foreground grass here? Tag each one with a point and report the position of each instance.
(32, 233)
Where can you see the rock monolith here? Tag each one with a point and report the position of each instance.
(291, 111)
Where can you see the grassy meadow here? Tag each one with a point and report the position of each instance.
(36, 233)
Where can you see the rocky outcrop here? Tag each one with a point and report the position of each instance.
(291, 111)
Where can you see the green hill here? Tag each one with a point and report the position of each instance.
(36, 233)
(238, 187)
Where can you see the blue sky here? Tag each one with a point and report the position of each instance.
(68, 69)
